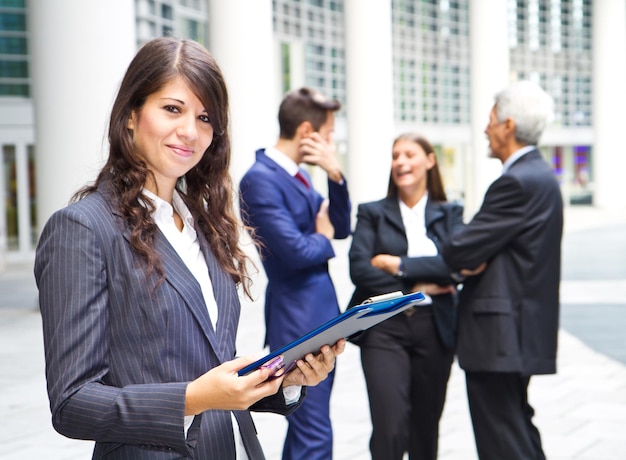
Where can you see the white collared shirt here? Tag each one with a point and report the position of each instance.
(516, 156)
(285, 162)
(186, 244)
(414, 220)
(282, 160)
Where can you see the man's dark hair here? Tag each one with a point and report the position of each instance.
(304, 104)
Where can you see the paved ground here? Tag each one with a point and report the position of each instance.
(581, 411)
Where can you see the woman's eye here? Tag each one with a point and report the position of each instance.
(205, 118)
(172, 109)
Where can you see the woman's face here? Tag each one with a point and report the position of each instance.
(171, 132)
(410, 164)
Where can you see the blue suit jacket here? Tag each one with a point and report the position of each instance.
(120, 352)
(300, 294)
(380, 230)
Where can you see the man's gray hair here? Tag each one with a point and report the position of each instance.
(529, 106)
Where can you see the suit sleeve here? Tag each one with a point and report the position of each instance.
(340, 208)
(495, 224)
(70, 271)
(362, 249)
(276, 403)
(265, 208)
(434, 269)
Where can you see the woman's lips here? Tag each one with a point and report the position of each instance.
(181, 150)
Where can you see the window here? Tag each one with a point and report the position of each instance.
(14, 69)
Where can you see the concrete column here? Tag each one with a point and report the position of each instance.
(609, 100)
(241, 39)
(369, 97)
(490, 65)
(79, 52)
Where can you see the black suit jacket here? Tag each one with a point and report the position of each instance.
(379, 230)
(509, 314)
(120, 352)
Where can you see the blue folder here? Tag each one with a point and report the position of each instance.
(349, 323)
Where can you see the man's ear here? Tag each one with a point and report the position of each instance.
(304, 129)
(509, 124)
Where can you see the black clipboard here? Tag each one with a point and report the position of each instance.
(352, 321)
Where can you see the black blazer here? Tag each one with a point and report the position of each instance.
(379, 230)
(509, 314)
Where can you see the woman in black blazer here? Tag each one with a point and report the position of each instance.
(406, 359)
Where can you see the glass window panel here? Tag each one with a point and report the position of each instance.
(13, 69)
(12, 3)
(13, 22)
(13, 45)
(167, 12)
(8, 89)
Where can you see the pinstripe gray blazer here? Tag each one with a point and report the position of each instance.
(120, 352)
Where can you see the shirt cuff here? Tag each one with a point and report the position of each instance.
(188, 422)
(292, 394)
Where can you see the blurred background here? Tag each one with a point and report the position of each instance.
(431, 66)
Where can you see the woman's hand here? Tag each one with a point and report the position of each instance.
(222, 387)
(386, 262)
(314, 369)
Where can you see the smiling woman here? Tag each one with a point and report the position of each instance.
(137, 280)
(171, 132)
(396, 247)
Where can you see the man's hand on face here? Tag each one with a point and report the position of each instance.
(314, 150)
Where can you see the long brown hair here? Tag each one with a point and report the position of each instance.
(207, 189)
(434, 184)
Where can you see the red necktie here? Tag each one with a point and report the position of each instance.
(302, 179)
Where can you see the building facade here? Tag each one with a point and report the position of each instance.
(396, 65)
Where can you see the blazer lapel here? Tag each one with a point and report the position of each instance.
(437, 231)
(227, 301)
(391, 210)
(290, 181)
(182, 280)
(434, 212)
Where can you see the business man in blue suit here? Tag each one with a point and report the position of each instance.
(295, 226)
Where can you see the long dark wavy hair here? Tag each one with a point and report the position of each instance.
(434, 184)
(207, 188)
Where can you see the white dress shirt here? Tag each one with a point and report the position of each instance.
(516, 156)
(419, 244)
(282, 160)
(186, 244)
